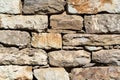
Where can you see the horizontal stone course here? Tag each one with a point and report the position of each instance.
(26, 56)
(93, 7)
(64, 58)
(90, 39)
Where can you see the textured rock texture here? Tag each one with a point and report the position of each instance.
(69, 58)
(17, 38)
(93, 48)
(90, 39)
(43, 6)
(35, 22)
(16, 73)
(23, 57)
(96, 73)
(66, 22)
(93, 6)
(51, 74)
(109, 57)
(103, 23)
(47, 40)
(10, 6)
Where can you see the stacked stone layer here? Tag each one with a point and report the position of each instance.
(59, 40)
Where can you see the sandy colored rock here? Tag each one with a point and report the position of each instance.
(69, 58)
(108, 57)
(66, 22)
(16, 38)
(16, 73)
(72, 48)
(31, 22)
(96, 73)
(22, 57)
(11, 6)
(43, 6)
(102, 23)
(47, 40)
(93, 48)
(90, 39)
(51, 74)
(93, 6)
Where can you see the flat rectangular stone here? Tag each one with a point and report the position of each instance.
(16, 73)
(108, 57)
(26, 56)
(90, 39)
(47, 40)
(16, 38)
(11, 6)
(96, 73)
(51, 74)
(93, 6)
(66, 22)
(66, 58)
(102, 23)
(31, 22)
(43, 6)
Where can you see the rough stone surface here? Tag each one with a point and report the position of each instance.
(93, 48)
(93, 6)
(23, 57)
(69, 58)
(90, 39)
(66, 22)
(108, 57)
(11, 6)
(15, 73)
(17, 38)
(102, 23)
(96, 73)
(36, 22)
(43, 6)
(51, 74)
(47, 40)
(72, 48)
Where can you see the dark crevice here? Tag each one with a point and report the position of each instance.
(49, 26)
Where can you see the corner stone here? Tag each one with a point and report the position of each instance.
(69, 58)
(51, 74)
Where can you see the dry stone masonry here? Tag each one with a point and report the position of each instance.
(59, 40)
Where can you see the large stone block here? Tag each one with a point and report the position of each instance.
(102, 23)
(23, 57)
(16, 73)
(51, 74)
(69, 58)
(66, 22)
(90, 39)
(16, 38)
(108, 57)
(36, 22)
(47, 40)
(96, 73)
(93, 6)
(43, 6)
(11, 6)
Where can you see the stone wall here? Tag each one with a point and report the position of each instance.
(59, 40)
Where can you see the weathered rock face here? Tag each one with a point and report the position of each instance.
(93, 7)
(69, 58)
(36, 22)
(10, 6)
(23, 57)
(47, 40)
(15, 73)
(16, 38)
(66, 22)
(43, 6)
(51, 74)
(103, 23)
(96, 73)
(90, 39)
(108, 57)
(93, 48)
